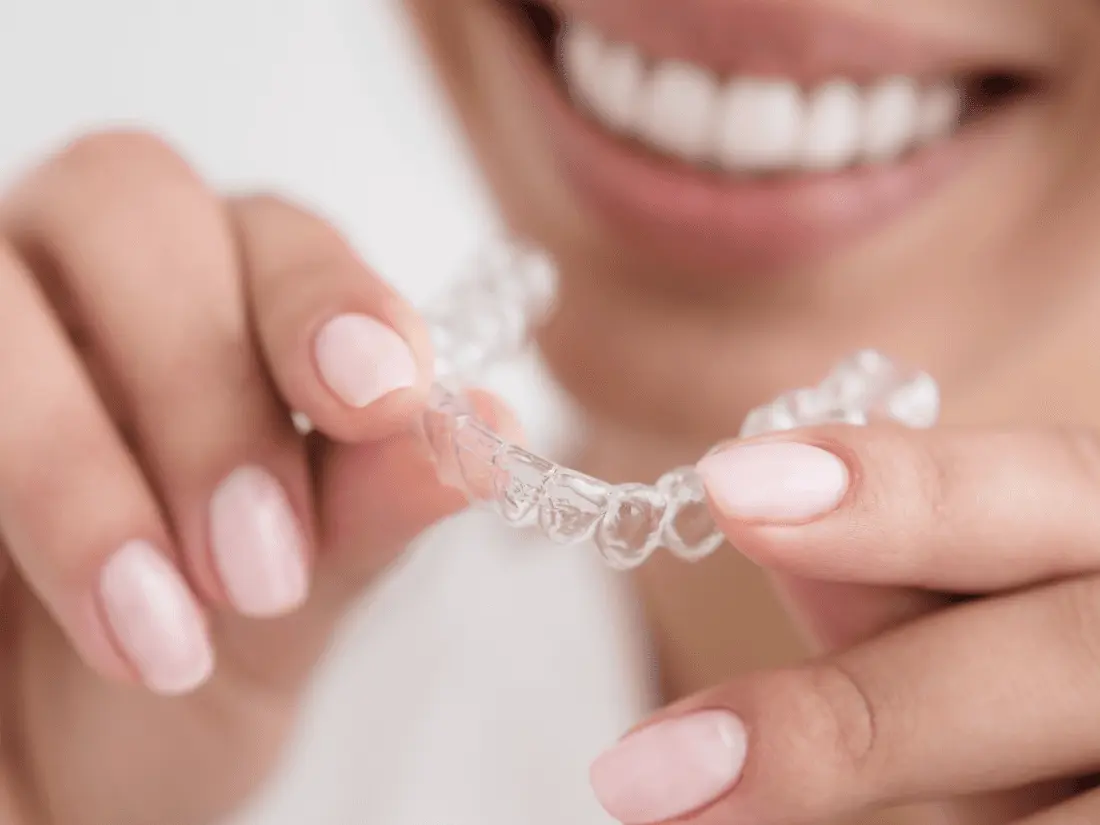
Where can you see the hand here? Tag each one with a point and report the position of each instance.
(157, 507)
(997, 692)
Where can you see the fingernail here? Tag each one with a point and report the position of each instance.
(780, 482)
(671, 768)
(155, 619)
(258, 547)
(362, 360)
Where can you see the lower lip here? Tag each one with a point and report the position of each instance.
(701, 220)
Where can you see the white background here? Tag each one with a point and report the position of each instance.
(325, 99)
(487, 674)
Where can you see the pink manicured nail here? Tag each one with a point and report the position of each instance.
(362, 360)
(671, 768)
(257, 544)
(155, 619)
(780, 482)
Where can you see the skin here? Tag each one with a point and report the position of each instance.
(996, 295)
(973, 310)
(277, 273)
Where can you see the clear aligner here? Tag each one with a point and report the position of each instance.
(491, 313)
(488, 315)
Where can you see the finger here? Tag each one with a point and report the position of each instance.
(836, 615)
(962, 511)
(343, 347)
(80, 523)
(957, 703)
(145, 254)
(375, 498)
(1080, 810)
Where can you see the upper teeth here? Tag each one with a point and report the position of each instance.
(752, 124)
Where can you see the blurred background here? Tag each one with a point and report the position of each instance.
(256, 93)
(328, 102)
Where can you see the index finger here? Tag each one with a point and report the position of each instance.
(956, 510)
(344, 349)
(948, 706)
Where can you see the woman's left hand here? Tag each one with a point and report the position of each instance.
(997, 692)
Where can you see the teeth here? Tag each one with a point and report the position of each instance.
(890, 118)
(583, 52)
(939, 112)
(752, 125)
(759, 125)
(619, 87)
(677, 110)
(832, 129)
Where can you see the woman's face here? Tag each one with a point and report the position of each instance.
(739, 191)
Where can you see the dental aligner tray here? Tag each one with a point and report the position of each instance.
(490, 313)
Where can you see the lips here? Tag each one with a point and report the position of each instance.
(737, 135)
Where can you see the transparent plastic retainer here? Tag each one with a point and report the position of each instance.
(489, 315)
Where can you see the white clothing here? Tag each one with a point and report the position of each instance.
(489, 670)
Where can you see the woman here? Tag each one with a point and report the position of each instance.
(823, 196)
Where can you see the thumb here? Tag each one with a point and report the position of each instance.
(793, 513)
(832, 614)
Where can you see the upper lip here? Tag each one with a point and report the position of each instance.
(797, 39)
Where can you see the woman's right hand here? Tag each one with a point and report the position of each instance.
(175, 554)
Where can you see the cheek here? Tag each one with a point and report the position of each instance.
(484, 63)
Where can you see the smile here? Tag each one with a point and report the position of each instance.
(760, 134)
(752, 124)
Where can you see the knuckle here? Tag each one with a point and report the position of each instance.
(829, 732)
(77, 178)
(845, 717)
(907, 467)
(930, 485)
(107, 204)
(128, 152)
(103, 179)
(936, 473)
(268, 205)
(906, 487)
